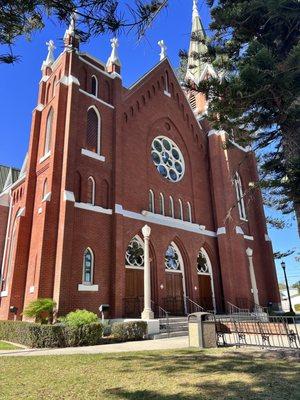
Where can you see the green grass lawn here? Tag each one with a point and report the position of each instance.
(7, 346)
(168, 375)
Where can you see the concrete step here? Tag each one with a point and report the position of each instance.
(173, 319)
(165, 335)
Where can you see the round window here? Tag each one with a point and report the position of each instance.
(167, 158)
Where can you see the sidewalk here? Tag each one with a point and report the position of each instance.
(161, 344)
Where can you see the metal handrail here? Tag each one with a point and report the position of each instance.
(162, 313)
(199, 308)
(233, 309)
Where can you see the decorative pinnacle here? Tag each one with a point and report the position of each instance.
(163, 49)
(114, 57)
(195, 9)
(50, 56)
(72, 26)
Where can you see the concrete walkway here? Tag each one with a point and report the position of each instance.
(161, 344)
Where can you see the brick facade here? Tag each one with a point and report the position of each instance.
(52, 232)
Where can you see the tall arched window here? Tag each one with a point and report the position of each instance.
(240, 196)
(134, 256)
(45, 188)
(161, 204)
(151, 201)
(94, 86)
(167, 82)
(91, 191)
(189, 211)
(48, 135)
(88, 267)
(93, 130)
(171, 207)
(180, 210)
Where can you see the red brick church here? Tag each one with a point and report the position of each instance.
(105, 160)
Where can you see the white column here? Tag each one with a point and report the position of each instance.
(147, 313)
(249, 253)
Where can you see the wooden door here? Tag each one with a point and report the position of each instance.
(134, 292)
(174, 294)
(205, 292)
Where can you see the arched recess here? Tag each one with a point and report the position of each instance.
(174, 301)
(134, 277)
(94, 86)
(104, 194)
(48, 132)
(83, 79)
(93, 130)
(10, 258)
(91, 191)
(206, 293)
(77, 187)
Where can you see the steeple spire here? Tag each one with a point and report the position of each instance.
(71, 39)
(196, 67)
(50, 56)
(113, 63)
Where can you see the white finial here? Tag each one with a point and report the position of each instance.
(50, 56)
(195, 9)
(114, 57)
(71, 30)
(163, 49)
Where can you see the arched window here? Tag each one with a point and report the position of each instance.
(171, 205)
(134, 256)
(151, 201)
(45, 188)
(203, 263)
(161, 204)
(91, 191)
(189, 211)
(53, 87)
(167, 82)
(94, 86)
(88, 267)
(240, 196)
(172, 258)
(48, 135)
(93, 130)
(180, 210)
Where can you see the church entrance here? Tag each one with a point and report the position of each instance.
(174, 302)
(205, 282)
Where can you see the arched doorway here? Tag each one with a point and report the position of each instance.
(174, 302)
(134, 278)
(206, 296)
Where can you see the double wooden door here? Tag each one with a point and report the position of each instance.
(174, 301)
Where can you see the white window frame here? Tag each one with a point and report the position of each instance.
(151, 201)
(161, 204)
(171, 201)
(90, 178)
(240, 196)
(209, 273)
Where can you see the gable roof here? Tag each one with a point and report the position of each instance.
(8, 176)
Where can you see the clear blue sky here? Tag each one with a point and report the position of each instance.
(19, 85)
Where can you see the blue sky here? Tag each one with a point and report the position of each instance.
(19, 85)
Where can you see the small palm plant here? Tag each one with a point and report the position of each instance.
(40, 309)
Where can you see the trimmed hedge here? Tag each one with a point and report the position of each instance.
(124, 331)
(59, 335)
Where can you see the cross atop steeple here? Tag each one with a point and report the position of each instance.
(71, 40)
(163, 50)
(113, 63)
(50, 56)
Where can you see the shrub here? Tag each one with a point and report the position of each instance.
(124, 331)
(41, 310)
(84, 335)
(297, 307)
(80, 318)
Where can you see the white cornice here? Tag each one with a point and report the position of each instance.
(90, 207)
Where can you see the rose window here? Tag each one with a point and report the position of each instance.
(172, 259)
(167, 158)
(134, 256)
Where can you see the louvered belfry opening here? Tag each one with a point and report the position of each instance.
(92, 131)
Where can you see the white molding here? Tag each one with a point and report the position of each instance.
(69, 80)
(239, 230)
(91, 154)
(47, 197)
(133, 267)
(39, 107)
(167, 93)
(114, 75)
(90, 207)
(96, 98)
(267, 238)
(45, 78)
(69, 196)
(216, 132)
(31, 289)
(4, 293)
(47, 155)
(87, 288)
(21, 212)
(162, 220)
(247, 237)
(246, 149)
(221, 231)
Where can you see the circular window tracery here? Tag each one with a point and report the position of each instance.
(202, 264)
(167, 158)
(134, 256)
(172, 259)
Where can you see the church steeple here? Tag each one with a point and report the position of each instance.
(196, 67)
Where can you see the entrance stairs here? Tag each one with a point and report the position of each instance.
(172, 327)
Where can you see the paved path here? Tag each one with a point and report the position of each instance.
(161, 344)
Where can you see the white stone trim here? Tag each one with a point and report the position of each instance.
(221, 231)
(91, 154)
(69, 80)
(247, 237)
(216, 132)
(4, 293)
(21, 212)
(31, 289)
(239, 230)
(114, 75)
(267, 238)
(167, 93)
(39, 107)
(246, 149)
(96, 98)
(90, 207)
(69, 196)
(47, 197)
(87, 288)
(45, 78)
(163, 220)
(47, 155)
